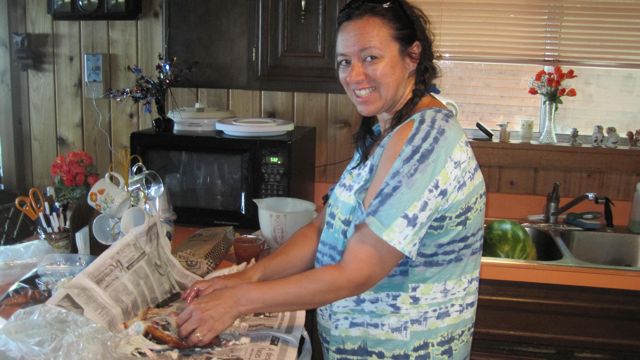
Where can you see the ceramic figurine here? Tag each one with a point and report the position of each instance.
(574, 138)
(612, 138)
(634, 139)
(631, 139)
(598, 136)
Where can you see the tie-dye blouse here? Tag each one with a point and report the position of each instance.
(431, 208)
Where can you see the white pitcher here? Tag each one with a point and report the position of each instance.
(280, 217)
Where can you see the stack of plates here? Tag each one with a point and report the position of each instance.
(254, 126)
(196, 119)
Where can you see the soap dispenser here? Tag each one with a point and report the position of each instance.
(634, 218)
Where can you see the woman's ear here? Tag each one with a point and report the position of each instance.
(414, 54)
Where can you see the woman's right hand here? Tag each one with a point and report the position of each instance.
(204, 287)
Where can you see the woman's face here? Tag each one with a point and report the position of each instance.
(375, 75)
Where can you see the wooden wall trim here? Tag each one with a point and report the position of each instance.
(533, 168)
(557, 157)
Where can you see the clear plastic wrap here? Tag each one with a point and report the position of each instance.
(52, 333)
(17, 260)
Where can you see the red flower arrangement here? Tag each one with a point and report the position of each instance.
(550, 84)
(73, 176)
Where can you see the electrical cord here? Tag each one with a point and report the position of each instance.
(95, 107)
(333, 163)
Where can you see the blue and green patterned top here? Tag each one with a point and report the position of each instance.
(431, 208)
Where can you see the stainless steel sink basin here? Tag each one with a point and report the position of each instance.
(546, 247)
(604, 248)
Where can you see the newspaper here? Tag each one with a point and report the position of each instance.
(138, 271)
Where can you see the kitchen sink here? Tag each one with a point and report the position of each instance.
(603, 248)
(546, 247)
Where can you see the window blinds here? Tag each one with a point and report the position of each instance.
(578, 32)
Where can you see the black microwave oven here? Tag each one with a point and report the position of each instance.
(212, 178)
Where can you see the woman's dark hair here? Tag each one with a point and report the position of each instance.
(409, 25)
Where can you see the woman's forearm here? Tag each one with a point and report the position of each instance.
(294, 256)
(366, 261)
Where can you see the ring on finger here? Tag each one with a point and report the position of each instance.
(198, 335)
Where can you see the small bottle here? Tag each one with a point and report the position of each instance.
(634, 218)
(504, 132)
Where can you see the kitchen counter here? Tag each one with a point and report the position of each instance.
(526, 271)
(539, 272)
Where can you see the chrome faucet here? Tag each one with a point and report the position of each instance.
(552, 209)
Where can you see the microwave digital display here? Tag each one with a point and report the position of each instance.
(212, 178)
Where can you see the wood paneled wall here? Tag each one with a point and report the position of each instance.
(55, 113)
(515, 168)
(51, 111)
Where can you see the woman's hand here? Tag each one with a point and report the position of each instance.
(208, 315)
(205, 287)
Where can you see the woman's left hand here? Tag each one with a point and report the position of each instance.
(207, 316)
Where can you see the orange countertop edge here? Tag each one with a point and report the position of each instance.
(534, 272)
(497, 269)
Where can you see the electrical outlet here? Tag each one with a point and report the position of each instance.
(94, 74)
(93, 66)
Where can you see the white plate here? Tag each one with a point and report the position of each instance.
(254, 126)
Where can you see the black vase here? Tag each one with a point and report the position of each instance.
(162, 123)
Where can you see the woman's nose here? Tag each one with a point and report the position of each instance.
(356, 73)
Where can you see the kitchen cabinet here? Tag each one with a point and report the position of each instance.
(297, 45)
(279, 45)
(520, 320)
(216, 38)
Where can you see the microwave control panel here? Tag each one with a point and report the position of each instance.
(273, 167)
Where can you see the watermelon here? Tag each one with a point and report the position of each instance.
(508, 239)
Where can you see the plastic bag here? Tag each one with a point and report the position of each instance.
(17, 260)
(51, 333)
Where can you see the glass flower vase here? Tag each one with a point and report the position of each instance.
(548, 122)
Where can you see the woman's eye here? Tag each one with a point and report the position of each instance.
(343, 63)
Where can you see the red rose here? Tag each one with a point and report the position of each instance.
(79, 179)
(561, 91)
(533, 91)
(550, 81)
(539, 75)
(570, 74)
(571, 92)
(67, 180)
(92, 179)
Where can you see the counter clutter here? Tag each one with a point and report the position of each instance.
(134, 274)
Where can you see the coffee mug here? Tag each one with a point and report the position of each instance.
(109, 198)
(132, 218)
(145, 182)
(106, 229)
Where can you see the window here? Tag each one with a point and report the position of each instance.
(490, 49)
(575, 32)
